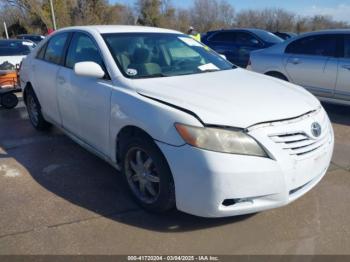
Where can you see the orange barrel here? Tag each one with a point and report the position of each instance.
(8, 79)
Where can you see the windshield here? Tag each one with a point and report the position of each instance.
(268, 36)
(15, 48)
(145, 55)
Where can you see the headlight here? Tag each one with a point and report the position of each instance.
(220, 140)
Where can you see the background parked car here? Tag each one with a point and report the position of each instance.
(236, 44)
(34, 38)
(12, 52)
(318, 61)
(285, 35)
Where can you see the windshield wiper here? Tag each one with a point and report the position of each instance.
(152, 75)
(209, 70)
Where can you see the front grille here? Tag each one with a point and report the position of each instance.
(299, 143)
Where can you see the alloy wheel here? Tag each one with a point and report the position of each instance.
(33, 110)
(142, 175)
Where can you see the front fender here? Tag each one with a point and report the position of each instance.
(128, 108)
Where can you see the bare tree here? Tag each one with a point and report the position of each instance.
(204, 15)
(268, 19)
(211, 14)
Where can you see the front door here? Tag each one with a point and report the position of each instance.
(84, 102)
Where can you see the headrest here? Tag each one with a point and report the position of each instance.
(141, 56)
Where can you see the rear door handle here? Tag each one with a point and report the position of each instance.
(346, 67)
(61, 80)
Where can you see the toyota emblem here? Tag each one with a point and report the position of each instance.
(316, 129)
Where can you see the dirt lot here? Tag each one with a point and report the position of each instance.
(56, 198)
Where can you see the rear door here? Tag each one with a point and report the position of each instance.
(312, 63)
(45, 69)
(342, 90)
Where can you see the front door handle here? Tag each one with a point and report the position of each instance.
(295, 61)
(347, 67)
(61, 80)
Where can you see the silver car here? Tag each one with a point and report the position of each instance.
(318, 61)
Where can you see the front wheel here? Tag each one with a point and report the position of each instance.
(147, 174)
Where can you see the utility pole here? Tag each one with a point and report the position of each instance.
(53, 16)
(6, 33)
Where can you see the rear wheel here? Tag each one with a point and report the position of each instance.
(34, 112)
(147, 173)
(9, 100)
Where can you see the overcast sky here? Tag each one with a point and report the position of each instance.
(339, 9)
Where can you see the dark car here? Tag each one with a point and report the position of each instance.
(236, 44)
(285, 35)
(34, 38)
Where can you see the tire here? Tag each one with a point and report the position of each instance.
(34, 112)
(144, 166)
(278, 76)
(9, 100)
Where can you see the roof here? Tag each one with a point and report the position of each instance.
(14, 40)
(239, 29)
(329, 31)
(105, 29)
(28, 35)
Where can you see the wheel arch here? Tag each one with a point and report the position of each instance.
(27, 87)
(275, 73)
(124, 133)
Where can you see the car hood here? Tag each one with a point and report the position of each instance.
(236, 98)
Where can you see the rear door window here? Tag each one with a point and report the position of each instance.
(318, 45)
(347, 46)
(226, 37)
(55, 49)
(41, 52)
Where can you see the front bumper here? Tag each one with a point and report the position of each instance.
(212, 184)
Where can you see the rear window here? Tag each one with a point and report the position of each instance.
(268, 36)
(15, 48)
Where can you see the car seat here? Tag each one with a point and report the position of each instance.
(141, 62)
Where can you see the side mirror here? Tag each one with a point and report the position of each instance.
(89, 69)
(223, 56)
(254, 42)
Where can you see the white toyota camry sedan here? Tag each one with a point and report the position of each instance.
(185, 127)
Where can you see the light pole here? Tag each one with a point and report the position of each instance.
(6, 33)
(53, 16)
